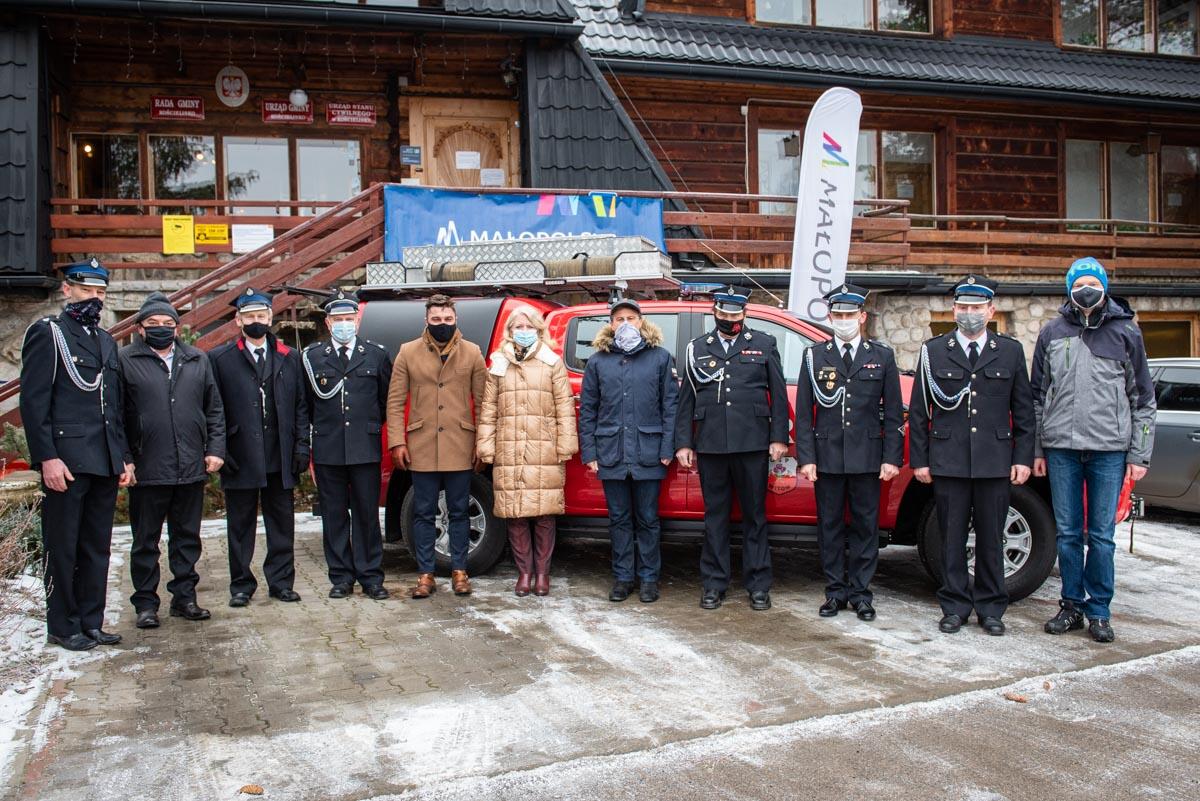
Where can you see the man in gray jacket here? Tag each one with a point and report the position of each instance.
(1095, 409)
(175, 423)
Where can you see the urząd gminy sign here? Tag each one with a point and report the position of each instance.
(419, 216)
(825, 203)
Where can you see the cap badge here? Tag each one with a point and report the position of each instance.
(970, 279)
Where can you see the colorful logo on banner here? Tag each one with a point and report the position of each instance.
(834, 151)
(419, 216)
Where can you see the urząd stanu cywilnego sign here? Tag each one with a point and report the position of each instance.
(419, 216)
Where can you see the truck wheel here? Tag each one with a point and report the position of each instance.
(1029, 549)
(489, 534)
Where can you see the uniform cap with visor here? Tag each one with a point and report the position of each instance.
(731, 300)
(251, 300)
(86, 273)
(340, 302)
(975, 290)
(846, 298)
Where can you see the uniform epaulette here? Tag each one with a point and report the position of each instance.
(376, 344)
(878, 344)
(313, 345)
(1005, 336)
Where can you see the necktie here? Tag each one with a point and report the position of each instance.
(973, 353)
(344, 356)
(846, 356)
(259, 362)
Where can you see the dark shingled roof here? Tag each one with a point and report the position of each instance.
(869, 59)
(530, 9)
(580, 136)
(24, 156)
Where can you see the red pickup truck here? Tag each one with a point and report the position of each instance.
(906, 510)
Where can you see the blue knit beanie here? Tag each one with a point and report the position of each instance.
(1086, 266)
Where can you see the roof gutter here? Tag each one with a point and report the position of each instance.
(729, 72)
(311, 13)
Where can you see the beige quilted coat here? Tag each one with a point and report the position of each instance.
(527, 430)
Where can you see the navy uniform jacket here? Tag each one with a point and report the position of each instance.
(991, 429)
(747, 411)
(346, 427)
(233, 369)
(865, 428)
(84, 429)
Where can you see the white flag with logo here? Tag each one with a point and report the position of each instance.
(825, 202)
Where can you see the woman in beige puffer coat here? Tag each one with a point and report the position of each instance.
(527, 431)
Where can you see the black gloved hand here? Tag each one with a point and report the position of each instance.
(299, 464)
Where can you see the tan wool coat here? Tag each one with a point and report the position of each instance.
(527, 430)
(442, 400)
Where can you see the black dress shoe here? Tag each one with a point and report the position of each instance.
(76, 642)
(285, 595)
(648, 593)
(760, 601)
(147, 619)
(864, 610)
(711, 599)
(950, 624)
(190, 611)
(620, 591)
(340, 591)
(1101, 631)
(376, 592)
(830, 607)
(239, 599)
(103, 637)
(992, 625)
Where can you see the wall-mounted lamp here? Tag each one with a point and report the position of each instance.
(298, 97)
(791, 145)
(510, 72)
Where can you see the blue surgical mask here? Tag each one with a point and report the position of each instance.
(627, 337)
(525, 337)
(342, 332)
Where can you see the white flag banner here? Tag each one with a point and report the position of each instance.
(825, 202)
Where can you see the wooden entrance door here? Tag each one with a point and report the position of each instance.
(466, 143)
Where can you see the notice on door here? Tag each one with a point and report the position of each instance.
(248, 238)
(212, 234)
(466, 159)
(177, 234)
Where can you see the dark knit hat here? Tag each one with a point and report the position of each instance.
(157, 303)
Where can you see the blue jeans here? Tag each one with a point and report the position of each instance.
(426, 488)
(633, 507)
(1087, 579)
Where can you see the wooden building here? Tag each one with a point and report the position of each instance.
(1021, 134)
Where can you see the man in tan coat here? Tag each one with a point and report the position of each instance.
(440, 377)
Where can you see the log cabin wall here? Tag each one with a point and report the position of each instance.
(1018, 19)
(700, 8)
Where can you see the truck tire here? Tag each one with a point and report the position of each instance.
(1029, 553)
(489, 534)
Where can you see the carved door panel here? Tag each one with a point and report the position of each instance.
(467, 143)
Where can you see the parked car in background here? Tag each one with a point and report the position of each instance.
(906, 510)
(1173, 480)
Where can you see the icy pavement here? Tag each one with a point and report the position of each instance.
(570, 696)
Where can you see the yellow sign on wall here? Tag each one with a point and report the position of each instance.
(212, 234)
(177, 234)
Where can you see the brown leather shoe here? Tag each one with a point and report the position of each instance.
(522, 589)
(541, 585)
(459, 582)
(426, 586)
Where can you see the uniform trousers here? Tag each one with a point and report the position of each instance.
(349, 498)
(983, 502)
(181, 506)
(76, 536)
(241, 520)
(850, 553)
(722, 475)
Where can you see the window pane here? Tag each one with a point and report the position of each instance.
(1177, 26)
(1167, 338)
(908, 169)
(904, 15)
(1129, 183)
(329, 170)
(107, 167)
(1081, 22)
(866, 173)
(1085, 192)
(1127, 24)
(791, 12)
(778, 174)
(256, 168)
(183, 167)
(844, 13)
(1181, 184)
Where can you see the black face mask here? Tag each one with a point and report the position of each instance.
(442, 332)
(159, 337)
(256, 330)
(729, 327)
(85, 312)
(1087, 297)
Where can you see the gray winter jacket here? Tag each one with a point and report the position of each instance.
(1091, 385)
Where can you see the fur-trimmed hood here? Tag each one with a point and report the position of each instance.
(651, 333)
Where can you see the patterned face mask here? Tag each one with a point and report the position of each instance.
(627, 337)
(85, 312)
